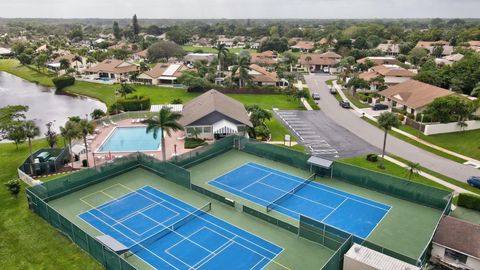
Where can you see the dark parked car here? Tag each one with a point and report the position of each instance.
(344, 104)
(316, 96)
(333, 91)
(379, 107)
(474, 181)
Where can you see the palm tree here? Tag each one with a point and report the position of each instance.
(86, 128)
(308, 59)
(165, 122)
(126, 89)
(222, 52)
(70, 132)
(31, 131)
(77, 59)
(64, 64)
(143, 66)
(242, 67)
(387, 120)
(413, 169)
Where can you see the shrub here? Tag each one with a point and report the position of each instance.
(63, 81)
(469, 201)
(84, 163)
(135, 103)
(372, 157)
(400, 117)
(176, 101)
(13, 187)
(193, 143)
(97, 114)
(262, 132)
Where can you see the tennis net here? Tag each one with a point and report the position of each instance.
(287, 195)
(167, 230)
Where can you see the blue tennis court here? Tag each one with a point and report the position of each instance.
(294, 196)
(167, 233)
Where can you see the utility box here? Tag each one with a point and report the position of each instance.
(361, 258)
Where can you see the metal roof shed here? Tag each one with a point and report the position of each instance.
(362, 258)
(320, 163)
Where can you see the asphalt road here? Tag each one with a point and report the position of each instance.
(329, 106)
(323, 137)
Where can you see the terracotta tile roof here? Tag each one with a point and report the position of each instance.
(389, 47)
(458, 235)
(260, 74)
(392, 70)
(380, 60)
(267, 57)
(214, 101)
(415, 94)
(142, 54)
(326, 59)
(323, 41)
(425, 44)
(474, 43)
(113, 66)
(367, 76)
(159, 70)
(304, 45)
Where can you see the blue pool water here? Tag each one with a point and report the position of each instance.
(130, 139)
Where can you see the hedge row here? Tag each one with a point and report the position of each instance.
(135, 103)
(63, 81)
(469, 201)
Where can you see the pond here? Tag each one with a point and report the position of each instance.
(44, 104)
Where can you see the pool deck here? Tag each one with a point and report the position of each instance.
(95, 158)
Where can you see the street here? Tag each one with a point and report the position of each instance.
(346, 118)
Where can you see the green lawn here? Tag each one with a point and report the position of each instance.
(355, 101)
(27, 241)
(466, 143)
(417, 144)
(392, 169)
(28, 73)
(212, 50)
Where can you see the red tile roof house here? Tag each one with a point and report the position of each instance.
(324, 62)
(392, 75)
(413, 96)
(215, 115)
(264, 58)
(262, 77)
(389, 48)
(304, 46)
(474, 45)
(380, 60)
(456, 244)
(113, 69)
(162, 74)
(430, 45)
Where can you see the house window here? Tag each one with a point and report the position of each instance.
(452, 254)
(207, 129)
(241, 128)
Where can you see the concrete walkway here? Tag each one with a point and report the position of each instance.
(361, 112)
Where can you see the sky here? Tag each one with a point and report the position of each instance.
(238, 9)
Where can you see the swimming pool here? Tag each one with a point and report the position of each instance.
(130, 139)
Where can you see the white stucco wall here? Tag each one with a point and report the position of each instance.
(450, 127)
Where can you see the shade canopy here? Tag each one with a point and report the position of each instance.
(224, 127)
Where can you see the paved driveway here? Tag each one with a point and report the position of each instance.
(352, 122)
(323, 137)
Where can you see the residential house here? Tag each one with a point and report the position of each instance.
(42, 48)
(190, 58)
(264, 58)
(294, 40)
(5, 52)
(389, 48)
(79, 64)
(304, 46)
(124, 46)
(380, 60)
(141, 55)
(456, 244)
(413, 96)
(324, 41)
(474, 45)
(323, 62)
(262, 77)
(214, 115)
(235, 42)
(430, 45)
(392, 75)
(112, 69)
(449, 59)
(162, 73)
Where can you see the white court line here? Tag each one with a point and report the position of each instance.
(256, 181)
(334, 210)
(376, 225)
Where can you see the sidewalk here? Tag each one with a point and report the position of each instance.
(361, 113)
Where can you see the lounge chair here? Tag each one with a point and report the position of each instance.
(113, 123)
(105, 124)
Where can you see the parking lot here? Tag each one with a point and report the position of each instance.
(323, 137)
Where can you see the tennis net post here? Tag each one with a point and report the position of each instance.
(287, 195)
(167, 230)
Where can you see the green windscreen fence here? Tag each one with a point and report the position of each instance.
(270, 219)
(109, 259)
(73, 182)
(391, 185)
(213, 195)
